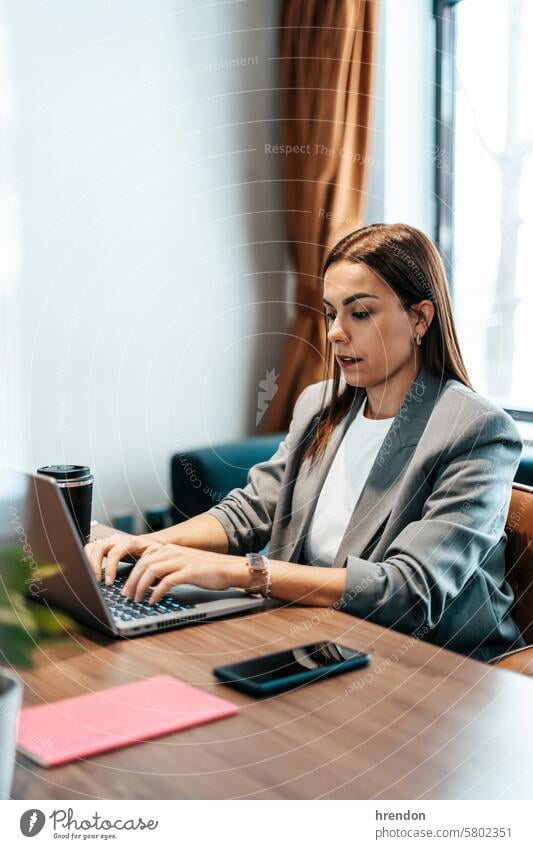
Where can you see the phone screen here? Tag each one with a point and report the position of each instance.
(285, 664)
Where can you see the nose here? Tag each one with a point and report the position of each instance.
(336, 332)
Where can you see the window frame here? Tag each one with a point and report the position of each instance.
(444, 13)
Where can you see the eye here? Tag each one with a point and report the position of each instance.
(360, 314)
(330, 316)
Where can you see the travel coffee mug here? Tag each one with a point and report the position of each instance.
(76, 486)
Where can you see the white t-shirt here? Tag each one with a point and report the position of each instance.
(343, 485)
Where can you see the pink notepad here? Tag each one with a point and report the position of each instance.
(63, 731)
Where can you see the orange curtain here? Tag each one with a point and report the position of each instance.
(327, 55)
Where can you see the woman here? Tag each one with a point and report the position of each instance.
(395, 474)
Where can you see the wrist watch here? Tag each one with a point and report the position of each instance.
(260, 570)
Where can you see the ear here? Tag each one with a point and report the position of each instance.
(425, 313)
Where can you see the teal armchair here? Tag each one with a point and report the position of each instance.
(203, 476)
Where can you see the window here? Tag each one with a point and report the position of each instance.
(484, 187)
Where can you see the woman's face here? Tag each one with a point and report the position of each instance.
(367, 323)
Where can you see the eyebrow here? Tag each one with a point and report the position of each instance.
(355, 297)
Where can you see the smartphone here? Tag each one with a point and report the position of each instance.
(274, 673)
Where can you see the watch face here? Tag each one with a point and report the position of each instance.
(256, 561)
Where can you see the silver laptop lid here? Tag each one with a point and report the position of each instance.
(36, 527)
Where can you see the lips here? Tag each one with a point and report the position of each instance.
(347, 361)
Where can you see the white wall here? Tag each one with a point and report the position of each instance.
(151, 224)
(151, 233)
(409, 61)
(12, 395)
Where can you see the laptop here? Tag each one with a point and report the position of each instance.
(35, 523)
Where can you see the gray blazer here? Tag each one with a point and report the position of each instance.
(424, 548)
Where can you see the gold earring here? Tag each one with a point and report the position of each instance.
(418, 339)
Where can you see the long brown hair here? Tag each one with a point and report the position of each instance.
(406, 259)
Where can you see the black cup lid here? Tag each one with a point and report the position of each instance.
(63, 473)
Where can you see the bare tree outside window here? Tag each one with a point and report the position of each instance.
(493, 191)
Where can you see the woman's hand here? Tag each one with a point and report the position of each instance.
(164, 566)
(115, 548)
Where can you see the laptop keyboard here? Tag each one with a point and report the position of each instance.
(126, 610)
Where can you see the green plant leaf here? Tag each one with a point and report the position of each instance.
(13, 570)
(24, 623)
(50, 622)
(45, 569)
(16, 646)
(17, 614)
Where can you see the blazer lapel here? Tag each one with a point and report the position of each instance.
(379, 493)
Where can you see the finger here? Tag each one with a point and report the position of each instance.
(138, 570)
(88, 549)
(95, 552)
(151, 575)
(115, 555)
(165, 585)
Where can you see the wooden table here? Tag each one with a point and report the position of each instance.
(419, 722)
